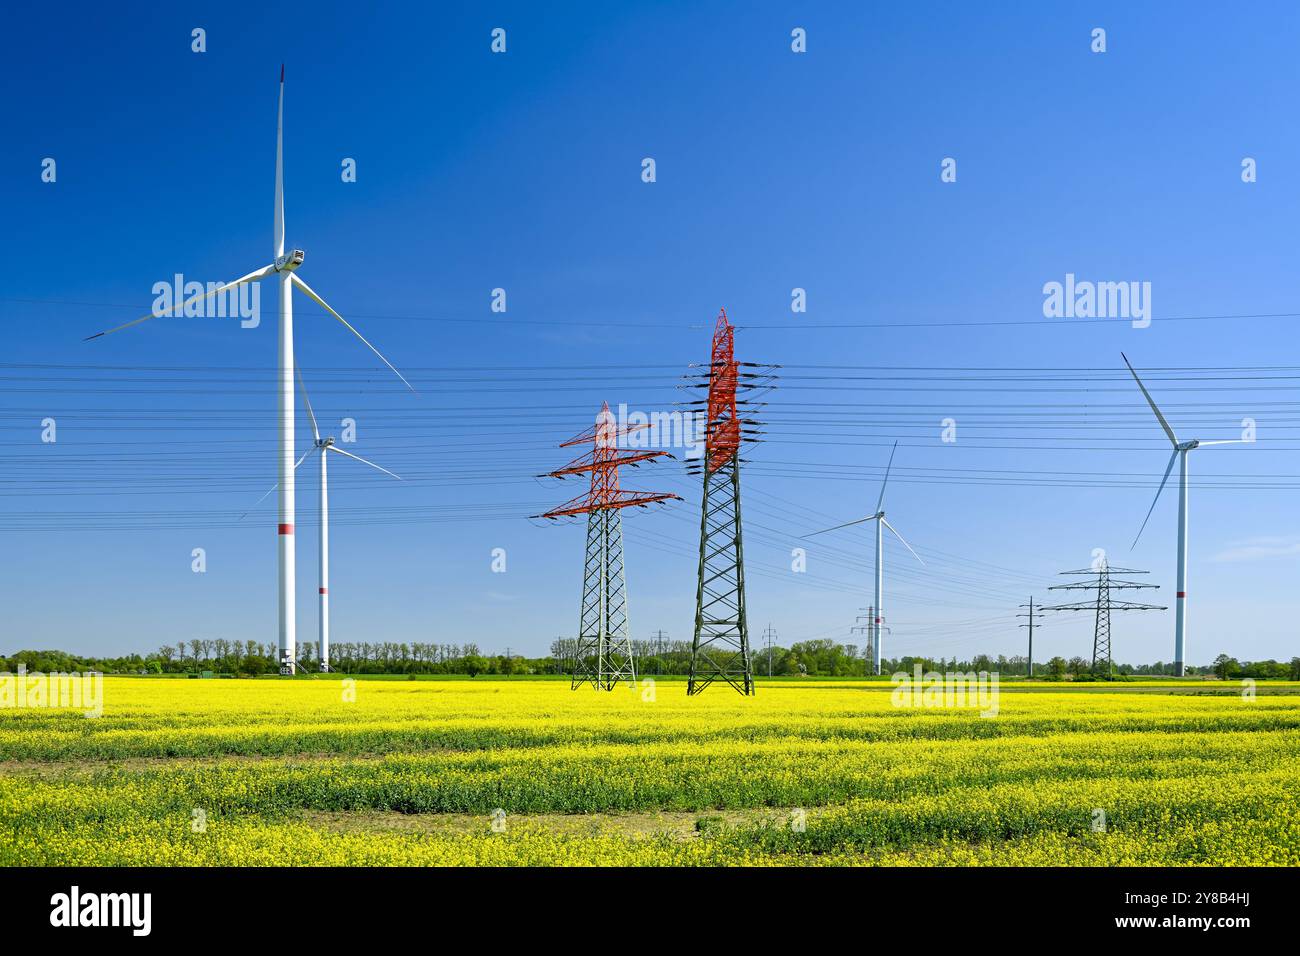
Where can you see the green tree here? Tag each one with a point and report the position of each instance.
(1225, 667)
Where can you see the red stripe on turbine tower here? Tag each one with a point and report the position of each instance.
(286, 529)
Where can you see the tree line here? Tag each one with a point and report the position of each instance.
(817, 658)
(251, 658)
(828, 658)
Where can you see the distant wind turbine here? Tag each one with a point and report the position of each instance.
(324, 445)
(285, 266)
(1180, 454)
(881, 524)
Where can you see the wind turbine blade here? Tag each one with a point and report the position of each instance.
(307, 401)
(180, 309)
(1226, 441)
(1150, 401)
(325, 305)
(279, 172)
(838, 526)
(1172, 459)
(900, 538)
(277, 484)
(363, 461)
(880, 502)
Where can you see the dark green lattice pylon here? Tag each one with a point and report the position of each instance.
(720, 650)
(603, 656)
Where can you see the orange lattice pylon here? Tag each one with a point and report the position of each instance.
(603, 462)
(602, 654)
(723, 435)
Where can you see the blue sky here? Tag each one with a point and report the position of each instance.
(775, 170)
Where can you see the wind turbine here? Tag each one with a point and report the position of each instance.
(324, 445)
(1180, 454)
(881, 524)
(285, 266)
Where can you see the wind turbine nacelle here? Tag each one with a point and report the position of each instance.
(290, 262)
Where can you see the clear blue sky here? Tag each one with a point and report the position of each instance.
(775, 170)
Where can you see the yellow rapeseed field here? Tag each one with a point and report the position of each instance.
(501, 772)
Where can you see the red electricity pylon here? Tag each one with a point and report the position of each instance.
(603, 651)
(722, 438)
(720, 650)
(603, 462)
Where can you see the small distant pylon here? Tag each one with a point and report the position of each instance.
(769, 639)
(875, 625)
(1030, 625)
(603, 653)
(1102, 605)
(720, 649)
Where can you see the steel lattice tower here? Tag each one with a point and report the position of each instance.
(603, 653)
(1102, 605)
(720, 649)
(1030, 669)
(871, 629)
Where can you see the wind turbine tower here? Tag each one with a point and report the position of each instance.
(1180, 450)
(285, 266)
(881, 524)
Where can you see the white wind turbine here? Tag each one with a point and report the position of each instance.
(881, 524)
(285, 266)
(324, 445)
(1180, 454)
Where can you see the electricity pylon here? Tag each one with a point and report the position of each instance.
(875, 625)
(1030, 625)
(1102, 605)
(603, 655)
(720, 648)
(769, 635)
